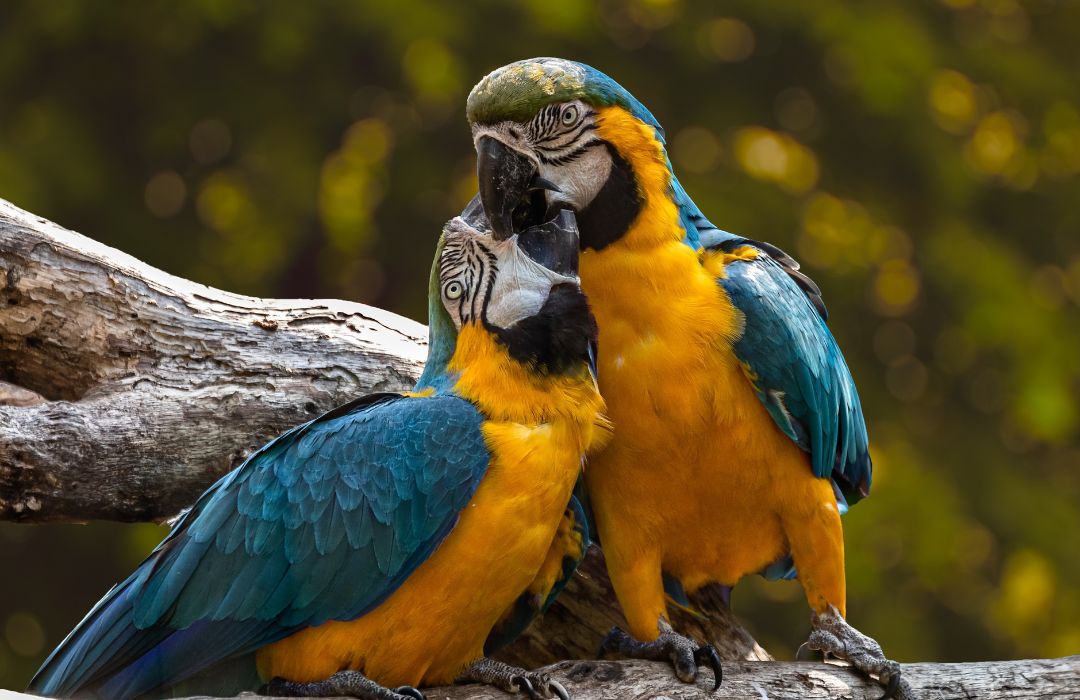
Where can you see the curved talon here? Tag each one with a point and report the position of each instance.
(410, 692)
(557, 688)
(524, 684)
(891, 687)
(709, 655)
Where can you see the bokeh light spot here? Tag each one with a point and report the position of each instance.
(210, 141)
(24, 634)
(726, 39)
(952, 101)
(432, 69)
(769, 155)
(696, 149)
(165, 194)
(994, 144)
(1027, 591)
(896, 287)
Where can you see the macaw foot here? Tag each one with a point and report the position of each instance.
(833, 635)
(513, 679)
(347, 683)
(684, 653)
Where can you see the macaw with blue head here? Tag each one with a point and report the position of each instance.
(385, 544)
(739, 436)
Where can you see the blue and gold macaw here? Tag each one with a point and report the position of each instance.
(383, 544)
(739, 437)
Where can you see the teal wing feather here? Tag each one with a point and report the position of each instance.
(323, 523)
(801, 376)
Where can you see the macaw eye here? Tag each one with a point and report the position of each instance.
(569, 115)
(453, 290)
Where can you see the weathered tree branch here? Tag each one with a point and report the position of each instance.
(610, 680)
(125, 391)
(155, 385)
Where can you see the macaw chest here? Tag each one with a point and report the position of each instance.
(436, 622)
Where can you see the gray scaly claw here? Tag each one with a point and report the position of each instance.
(708, 655)
(348, 683)
(833, 635)
(682, 652)
(538, 686)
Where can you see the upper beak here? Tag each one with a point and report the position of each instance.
(506, 177)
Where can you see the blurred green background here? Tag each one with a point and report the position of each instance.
(919, 157)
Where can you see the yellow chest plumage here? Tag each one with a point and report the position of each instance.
(697, 479)
(436, 623)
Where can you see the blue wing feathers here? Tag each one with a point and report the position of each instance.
(801, 376)
(360, 495)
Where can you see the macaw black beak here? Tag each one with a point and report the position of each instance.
(553, 244)
(509, 184)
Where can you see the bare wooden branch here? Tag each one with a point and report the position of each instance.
(153, 385)
(620, 680)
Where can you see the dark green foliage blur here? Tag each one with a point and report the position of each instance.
(920, 157)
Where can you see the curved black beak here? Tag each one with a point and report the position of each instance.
(553, 244)
(507, 177)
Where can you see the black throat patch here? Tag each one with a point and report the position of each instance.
(556, 339)
(609, 216)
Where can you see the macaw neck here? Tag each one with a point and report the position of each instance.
(649, 284)
(505, 388)
(634, 210)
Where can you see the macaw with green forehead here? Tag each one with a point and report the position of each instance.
(739, 437)
(395, 540)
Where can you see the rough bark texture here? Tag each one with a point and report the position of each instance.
(126, 391)
(608, 680)
(129, 390)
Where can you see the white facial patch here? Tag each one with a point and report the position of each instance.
(579, 181)
(562, 142)
(521, 285)
(481, 278)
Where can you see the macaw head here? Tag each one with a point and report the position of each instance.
(550, 134)
(523, 289)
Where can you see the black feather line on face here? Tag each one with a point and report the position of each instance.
(614, 208)
(556, 340)
(474, 266)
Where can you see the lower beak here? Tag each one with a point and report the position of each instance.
(505, 176)
(553, 244)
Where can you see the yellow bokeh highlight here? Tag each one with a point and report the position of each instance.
(726, 39)
(896, 287)
(696, 149)
(994, 144)
(653, 14)
(841, 233)
(225, 203)
(1028, 588)
(432, 69)
(351, 184)
(775, 157)
(953, 102)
